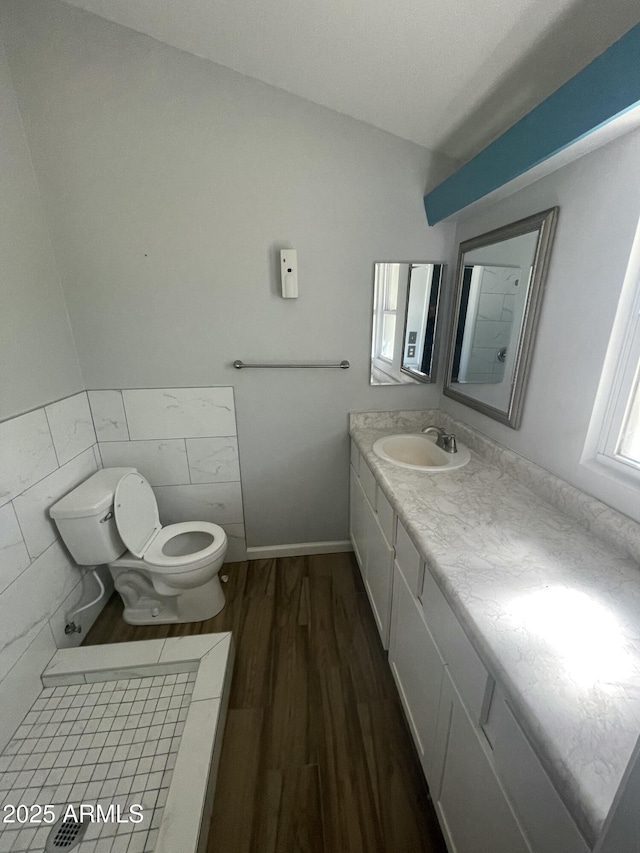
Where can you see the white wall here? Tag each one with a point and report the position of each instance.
(169, 184)
(599, 200)
(38, 362)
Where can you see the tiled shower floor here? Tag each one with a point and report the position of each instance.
(106, 742)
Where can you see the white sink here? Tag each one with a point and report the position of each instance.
(419, 452)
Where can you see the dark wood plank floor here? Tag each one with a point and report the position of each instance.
(316, 756)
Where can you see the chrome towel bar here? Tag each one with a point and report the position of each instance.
(343, 365)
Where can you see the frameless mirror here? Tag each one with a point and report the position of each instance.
(405, 311)
(499, 285)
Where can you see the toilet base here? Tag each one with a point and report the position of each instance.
(143, 605)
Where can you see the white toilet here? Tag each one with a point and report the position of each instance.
(168, 574)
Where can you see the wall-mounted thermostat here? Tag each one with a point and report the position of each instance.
(289, 273)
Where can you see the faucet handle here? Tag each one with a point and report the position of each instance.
(449, 443)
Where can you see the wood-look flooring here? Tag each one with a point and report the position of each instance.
(316, 757)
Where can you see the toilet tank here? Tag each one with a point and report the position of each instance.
(85, 518)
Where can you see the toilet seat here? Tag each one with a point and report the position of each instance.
(155, 555)
(138, 522)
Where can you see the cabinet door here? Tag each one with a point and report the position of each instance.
(542, 814)
(358, 515)
(408, 558)
(378, 577)
(474, 812)
(417, 668)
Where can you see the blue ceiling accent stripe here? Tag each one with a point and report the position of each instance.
(606, 88)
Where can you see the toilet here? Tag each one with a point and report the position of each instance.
(163, 574)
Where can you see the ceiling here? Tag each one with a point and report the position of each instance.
(447, 74)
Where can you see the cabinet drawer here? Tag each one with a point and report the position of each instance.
(543, 815)
(386, 517)
(368, 483)
(467, 670)
(407, 558)
(355, 457)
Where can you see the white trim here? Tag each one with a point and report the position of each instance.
(616, 383)
(299, 549)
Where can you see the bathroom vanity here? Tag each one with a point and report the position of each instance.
(511, 633)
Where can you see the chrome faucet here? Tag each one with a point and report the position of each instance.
(447, 441)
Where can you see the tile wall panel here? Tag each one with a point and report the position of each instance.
(14, 557)
(39, 583)
(109, 419)
(30, 600)
(22, 684)
(163, 462)
(26, 453)
(180, 412)
(84, 593)
(32, 506)
(213, 460)
(71, 426)
(237, 547)
(217, 502)
(184, 441)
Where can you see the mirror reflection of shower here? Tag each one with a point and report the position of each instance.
(405, 312)
(485, 323)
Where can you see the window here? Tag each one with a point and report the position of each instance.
(630, 436)
(405, 310)
(389, 310)
(621, 434)
(615, 427)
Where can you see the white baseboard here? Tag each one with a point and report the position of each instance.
(298, 549)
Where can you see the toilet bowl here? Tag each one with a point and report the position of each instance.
(163, 574)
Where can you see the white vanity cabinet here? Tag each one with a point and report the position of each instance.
(444, 689)
(371, 527)
(541, 812)
(475, 814)
(490, 790)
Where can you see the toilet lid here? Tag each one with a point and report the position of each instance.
(136, 512)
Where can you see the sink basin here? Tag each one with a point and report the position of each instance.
(419, 452)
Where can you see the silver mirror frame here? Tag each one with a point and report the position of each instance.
(545, 224)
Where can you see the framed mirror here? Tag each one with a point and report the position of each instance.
(406, 296)
(499, 285)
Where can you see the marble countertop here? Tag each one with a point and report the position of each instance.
(553, 611)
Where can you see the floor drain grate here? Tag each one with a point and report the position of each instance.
(65, 834)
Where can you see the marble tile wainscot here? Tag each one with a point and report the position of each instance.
(551, 611)
(43, 455)
(184, 441)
